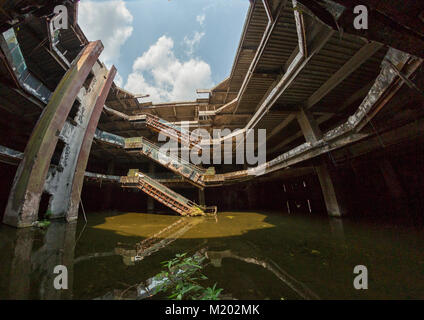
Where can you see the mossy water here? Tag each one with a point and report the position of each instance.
(251, 255)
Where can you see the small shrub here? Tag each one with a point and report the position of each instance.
(180, 279)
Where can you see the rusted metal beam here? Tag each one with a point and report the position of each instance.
(25, 195)
(84, 153)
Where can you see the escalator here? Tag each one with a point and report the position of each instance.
(183, 136)
(192, 173)
(164, 195)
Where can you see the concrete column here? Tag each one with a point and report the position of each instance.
(59, 181)
(202, 201)
(84, 152)
(326, 174)
(28, 185)
(109, 188)
(150, 200)
(332, 196)
(394, 186)
(309, 126)
(391, 179)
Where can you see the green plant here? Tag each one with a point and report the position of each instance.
(42, 224)
(212, 293)
(180, 279)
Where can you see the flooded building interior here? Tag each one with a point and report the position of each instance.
(107, 183)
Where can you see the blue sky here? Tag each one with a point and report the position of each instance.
(165, 48)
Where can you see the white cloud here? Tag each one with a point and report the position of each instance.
(193, 42)
(109, 21)
(118, 80)
(201, 18)
(170, 79)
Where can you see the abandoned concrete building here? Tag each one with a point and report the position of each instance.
(343, 110)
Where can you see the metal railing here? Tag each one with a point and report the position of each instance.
(161, 193)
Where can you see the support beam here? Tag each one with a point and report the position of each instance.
(24, 199)
(309, 126)
(394, 186)
(325, 171)
(84, 153)
(332, 196)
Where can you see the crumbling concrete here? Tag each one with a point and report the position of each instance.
(24, 199)
(59, 181)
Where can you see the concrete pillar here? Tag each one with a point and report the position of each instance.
(309, 126)
(59, 181)
(394, 186)
(109, 187)
(202, 201)
(150, 200)
(391, 179)
(326, 174)
(84, 152)
(332, 196)
(28, 185)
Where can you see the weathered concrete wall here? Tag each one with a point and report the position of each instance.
(59, 181)
(84, 153)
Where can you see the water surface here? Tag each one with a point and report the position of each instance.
(251, 255)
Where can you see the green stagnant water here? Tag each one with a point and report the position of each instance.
(251, 255)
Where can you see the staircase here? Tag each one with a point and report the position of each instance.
(164, 195)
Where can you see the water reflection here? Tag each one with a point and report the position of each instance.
(300, 288)
(31, 265)
(251, 255)
(21, 264)
(337, 229)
